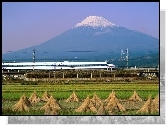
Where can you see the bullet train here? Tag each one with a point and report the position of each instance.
(65, 65)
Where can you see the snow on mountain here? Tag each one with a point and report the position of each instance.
(95, 21)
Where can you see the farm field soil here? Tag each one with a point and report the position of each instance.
(68, 108)
(12, 93)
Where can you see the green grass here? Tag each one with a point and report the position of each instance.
(123, 91)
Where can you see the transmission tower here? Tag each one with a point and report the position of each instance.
(34, 56)
(125, 57)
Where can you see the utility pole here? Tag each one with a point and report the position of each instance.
(33, 57)
(127, 57)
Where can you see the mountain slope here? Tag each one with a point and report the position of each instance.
(95, 38)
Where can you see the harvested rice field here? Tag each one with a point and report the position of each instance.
(81, 99)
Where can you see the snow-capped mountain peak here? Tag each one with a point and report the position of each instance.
(95, 21)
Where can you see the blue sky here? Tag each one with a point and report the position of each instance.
(25, 24)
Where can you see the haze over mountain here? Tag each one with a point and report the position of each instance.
(94, 38)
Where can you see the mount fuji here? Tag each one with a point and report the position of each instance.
(94, 38)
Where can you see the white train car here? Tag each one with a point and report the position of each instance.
(66, 65)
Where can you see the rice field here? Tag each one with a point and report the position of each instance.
(12, 93)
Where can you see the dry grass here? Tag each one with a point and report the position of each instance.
(34, 98)
(99, 105)
(101, 110)
(73, 98)
(96, 101)
(114, 105)
(155, 104)
(22, 105)
(51, 107)
(86, 106)
(45, 97)
(95, 105)
(109, 97)
(150, 106)
(135, 97)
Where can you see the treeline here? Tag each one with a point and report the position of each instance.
(81, 74)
